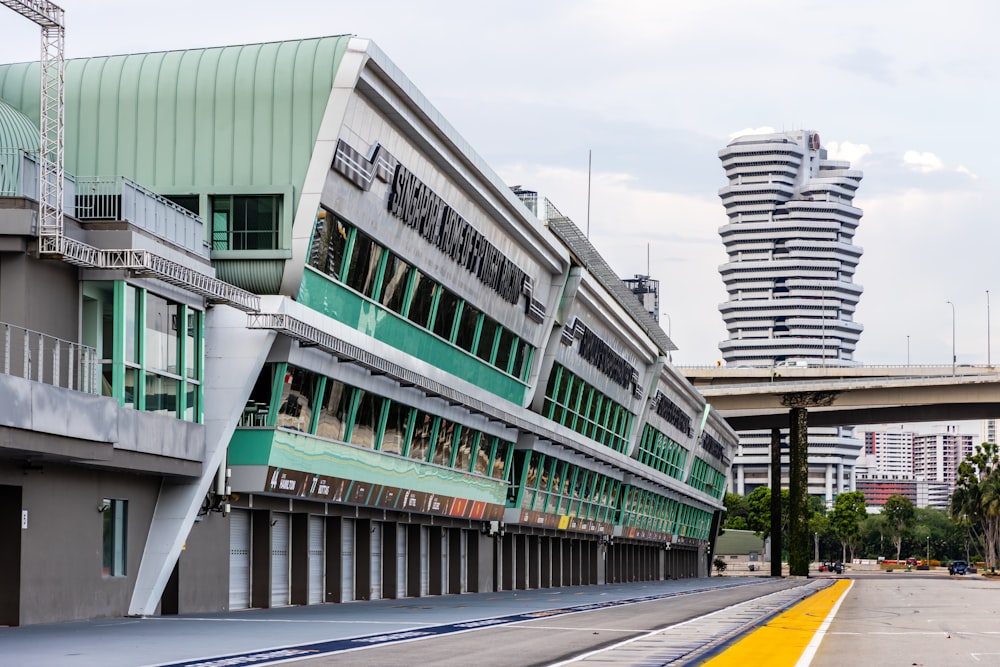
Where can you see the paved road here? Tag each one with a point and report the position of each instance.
(907, 619)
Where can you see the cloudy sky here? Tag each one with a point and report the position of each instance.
(651, 90)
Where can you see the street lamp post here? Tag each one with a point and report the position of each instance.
(928, 549)
(953, 357)
(907, 350)
(988, 328)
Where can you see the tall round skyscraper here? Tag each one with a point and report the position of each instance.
(790, 282)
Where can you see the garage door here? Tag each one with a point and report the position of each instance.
(280, 535)
(239, 559)
(316, 560)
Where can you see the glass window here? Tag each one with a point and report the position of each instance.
(192, 344)
(333, 417)
(394, 283)
(423, 299)
(329, 244)
(504, 350)
(468, 327)
(484, 455)
(467, 439)
(161, 394)
(131, 390)
(487, 338)
(364, 431)
(394, 438)
(443, 446)
(421, 438)
(115, 537)
(501, 459)
(363, 267)
(444, 319)
(297, 395)
(245, 222)
(131, 316)
(161, 342)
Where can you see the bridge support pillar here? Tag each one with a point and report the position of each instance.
(798, 492)
(776, 546)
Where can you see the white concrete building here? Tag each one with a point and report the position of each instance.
(889, 449)
(789, 279)
(936, 454)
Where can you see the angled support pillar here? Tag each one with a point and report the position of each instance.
(776, 546)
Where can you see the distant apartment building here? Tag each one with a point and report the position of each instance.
(877, 488)
(789, 278)
(936, 455)
(889, 450)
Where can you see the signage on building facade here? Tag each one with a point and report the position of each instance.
(421, 209)
(602, 356)
(672, 413)
(310, 485)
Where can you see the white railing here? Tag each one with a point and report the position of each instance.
(42, 358)
(118, 198)
(19, 177)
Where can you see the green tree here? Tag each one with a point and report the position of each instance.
(975, 501)
(736, 512)
(759, 511)
(845, 519)
(899, 514)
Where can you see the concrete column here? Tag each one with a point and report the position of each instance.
(829, 485)
(741, 488)
(840, 478)
(798, 492)
(776, 546)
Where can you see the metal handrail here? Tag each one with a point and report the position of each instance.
(39, 357)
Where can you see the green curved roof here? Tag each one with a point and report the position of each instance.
(16, 131)
(196, 120)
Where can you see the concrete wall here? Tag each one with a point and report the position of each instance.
(61, 549)
(203, 567)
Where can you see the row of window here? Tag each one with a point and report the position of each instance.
(661, 453)
(239, 222)
(582, 408)
(547, 484)
(646, 510)
(290, 397)
(707, 479)
(150, 348)
(346, 254)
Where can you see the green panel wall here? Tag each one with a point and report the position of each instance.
(187, 121)
(284, 449)
(347, 306)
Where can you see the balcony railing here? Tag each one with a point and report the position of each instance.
(118, 198)
(19, 178)
(42, 358)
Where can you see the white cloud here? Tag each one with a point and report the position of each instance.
(925, 163)
(846, 150)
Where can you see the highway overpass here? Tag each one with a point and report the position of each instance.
(761, 398)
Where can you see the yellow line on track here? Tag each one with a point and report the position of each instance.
(784, 639)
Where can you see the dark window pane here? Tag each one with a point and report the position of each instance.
(336, 403)
(421, 439)
(486, 339)
(442, 449)
(466, 443)
(423, 296)
(467, 327)
(395, 428)
(445, 314)
(504, 348)
(329, 245)
(365, 428)
(295, 409)
(394, 281)
(364, 264)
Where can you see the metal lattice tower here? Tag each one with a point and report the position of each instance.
(49, 17)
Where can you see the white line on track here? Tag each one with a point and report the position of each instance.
(806, 658)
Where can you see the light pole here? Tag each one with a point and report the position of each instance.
(928, 549)
(907, 349)
(988, 328)
(953, 358)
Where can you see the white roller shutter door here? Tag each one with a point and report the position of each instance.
(347, 560)
(280, 541)
(401, 561)
(425, 580)
(316, 560)
(376, 562)
(239, 559)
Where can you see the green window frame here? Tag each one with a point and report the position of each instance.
(114, 529)
(246, 222)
